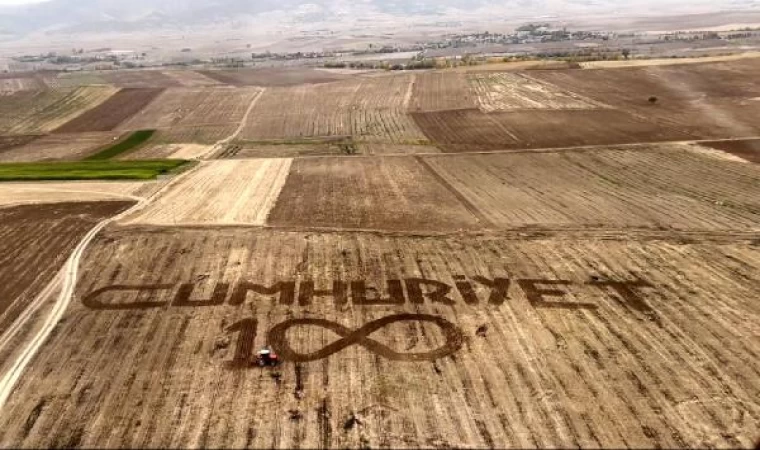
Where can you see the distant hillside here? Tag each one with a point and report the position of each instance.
(134, 15)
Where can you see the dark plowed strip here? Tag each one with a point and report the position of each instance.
(467, 204)
(746, 149)
(36, 240)
(9, 142)
(108, 115)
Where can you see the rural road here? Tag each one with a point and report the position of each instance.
(66, 280)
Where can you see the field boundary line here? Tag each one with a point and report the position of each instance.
(218, 147)
(459, 196)
(69, 274)
(528, 232)
(579, 148)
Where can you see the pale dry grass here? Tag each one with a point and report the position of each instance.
(220, 192)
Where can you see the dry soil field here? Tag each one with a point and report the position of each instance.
(36, 240)
(441, 259)
(398, 342)
(111, 113)
(272, 77)
(59, 147)
(368, 109)
(41, 111)
(193, 107)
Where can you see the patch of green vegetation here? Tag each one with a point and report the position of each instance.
(88, 170)
(132, 142)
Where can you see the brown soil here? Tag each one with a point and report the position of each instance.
(10, 142)
(140, 79)
(60, 147)
(567, 342)
(393, 193)
(36, 241)
(272, 77)
(745, 149)
(109, 114)
(437, 91)
(472, 130)
(664, 186)
(368, 109)
(192, 107)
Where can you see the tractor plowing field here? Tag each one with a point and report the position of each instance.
(438, 259)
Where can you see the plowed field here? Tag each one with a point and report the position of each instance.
(369, 193)
(29, 112)
(36, 240)
(706, 101)
(409, 342)
(466, 130)
(108, 115)
(437, 91)
(221, 192)
(60, 147)
(748, 149)
(272, 77)
(649, 186)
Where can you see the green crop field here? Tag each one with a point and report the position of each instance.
(88, 170)
(132, 142)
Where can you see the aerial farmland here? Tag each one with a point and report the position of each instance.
(438, 258)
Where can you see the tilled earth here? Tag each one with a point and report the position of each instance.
(511, 340)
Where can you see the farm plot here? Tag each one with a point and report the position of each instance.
(510, 91)
(191, 78)
(438, 91)
(370, 110)
(472, 130)
(272, 77)
(703, 101)
(398, 342)
(27, 193)
(36, 240)
(109, 114)
(31, 112)
(220, 192)
(190, 107)
(368, 193)
(60, 147)
(665, 186)
(139, 79)
(11, 85)
(748, 150)
(9, 142)
(167, 151)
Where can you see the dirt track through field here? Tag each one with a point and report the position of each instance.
(556, 351)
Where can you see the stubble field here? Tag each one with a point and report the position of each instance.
(476, 342)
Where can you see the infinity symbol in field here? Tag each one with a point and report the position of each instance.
(452, 334)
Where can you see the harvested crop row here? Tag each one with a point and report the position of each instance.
(539, 343)
(109, 114)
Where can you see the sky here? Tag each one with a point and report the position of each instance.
(18, 2)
